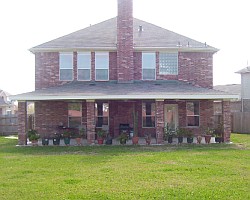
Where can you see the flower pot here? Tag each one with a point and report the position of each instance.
(56, 141)
(100, 141)
(45, 141)
(207, 138)
(66, 141)
(218, 139)
(34, 142)
(79, 141)
(170, 139)
(180, 140)
(190, 140)
(199, 139)
(135, 140)
(123, 141)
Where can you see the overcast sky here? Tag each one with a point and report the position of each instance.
(223, 24)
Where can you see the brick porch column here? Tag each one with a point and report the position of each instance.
(159, 121)
(90, 121)
(226, 117)
(22, 123)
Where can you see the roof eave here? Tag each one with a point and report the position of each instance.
(129, 97)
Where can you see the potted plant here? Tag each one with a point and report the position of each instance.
(135, 138)
(66, 137)
(56, 139)
(100, 136)
(208, 134)
(148, 138)
(180, 132)
(123, 137)
(169, 132)
(189, 135)
(45, 141)
(33, 136)
(218, 133)
(81, 134)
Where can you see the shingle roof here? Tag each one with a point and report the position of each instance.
(245, 70)
(114, 90)
(104, 35)
(231, 88)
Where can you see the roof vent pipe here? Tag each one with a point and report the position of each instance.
(140, 28)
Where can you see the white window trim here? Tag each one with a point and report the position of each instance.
(104, 53)
(66, 53)
(96, 116)
(84, 53)
(165, 52)
(148, 68)
(193, 115)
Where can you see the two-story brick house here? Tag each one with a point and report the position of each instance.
(108, 71)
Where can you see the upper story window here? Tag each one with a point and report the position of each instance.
(101, 66)
(84, 66)
(148, 114)
(66, 66)
(148, 66)
(168, 63)
(193, 113)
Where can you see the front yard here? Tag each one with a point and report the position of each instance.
(215, 171)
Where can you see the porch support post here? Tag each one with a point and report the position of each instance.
(226, 117)
(159, 121)
(90, 121)
(22, 123)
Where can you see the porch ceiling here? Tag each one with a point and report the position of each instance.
(114, 91)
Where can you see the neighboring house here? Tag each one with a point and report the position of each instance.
(245, 88)
(6, 106)
(101, 75)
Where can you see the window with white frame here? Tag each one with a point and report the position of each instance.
(193, 113)
(83, 66)
(101, 114)
(148, 114)
(66, 66)
(148, 66)
(75, 115)
(168, 63)
(101, 66)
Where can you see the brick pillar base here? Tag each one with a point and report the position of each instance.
(22, 123)
(226, 115)
(90, 122)
(159, 121)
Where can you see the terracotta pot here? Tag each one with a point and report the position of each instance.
(207, 138)
(79, 141)
(199, 138)
(148, 141)
(100, 141)
(135, 140)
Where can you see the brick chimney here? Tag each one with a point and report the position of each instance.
(125, 63)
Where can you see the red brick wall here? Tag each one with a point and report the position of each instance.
(113, 66)
(226, 114)
(22, 123)
(90, 122)
(196, 68)
(49, 115)
(138, 65)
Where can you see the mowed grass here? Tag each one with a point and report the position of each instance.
(215, 171)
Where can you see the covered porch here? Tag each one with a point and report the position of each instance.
(114, 106)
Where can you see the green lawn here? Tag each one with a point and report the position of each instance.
(215, 171)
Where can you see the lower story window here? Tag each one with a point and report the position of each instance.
(75, 115)
(101, 114)
(148, 114)
(193, 113)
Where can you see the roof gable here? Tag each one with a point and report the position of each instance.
(104, 36)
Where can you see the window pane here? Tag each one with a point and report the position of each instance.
(84, 60)
(148, 74)
(102, 74)
(101, 60)
(148, 61)
(193, 120)
(148, 114)
(75, 110)
(75, 122)
(100, 121)
(149, 121)
(66, 74)
(66, 61)
(83, 74)
(168, 63)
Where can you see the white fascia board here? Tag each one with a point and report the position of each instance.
(179, 49)
(122, 97)
(35, 50)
